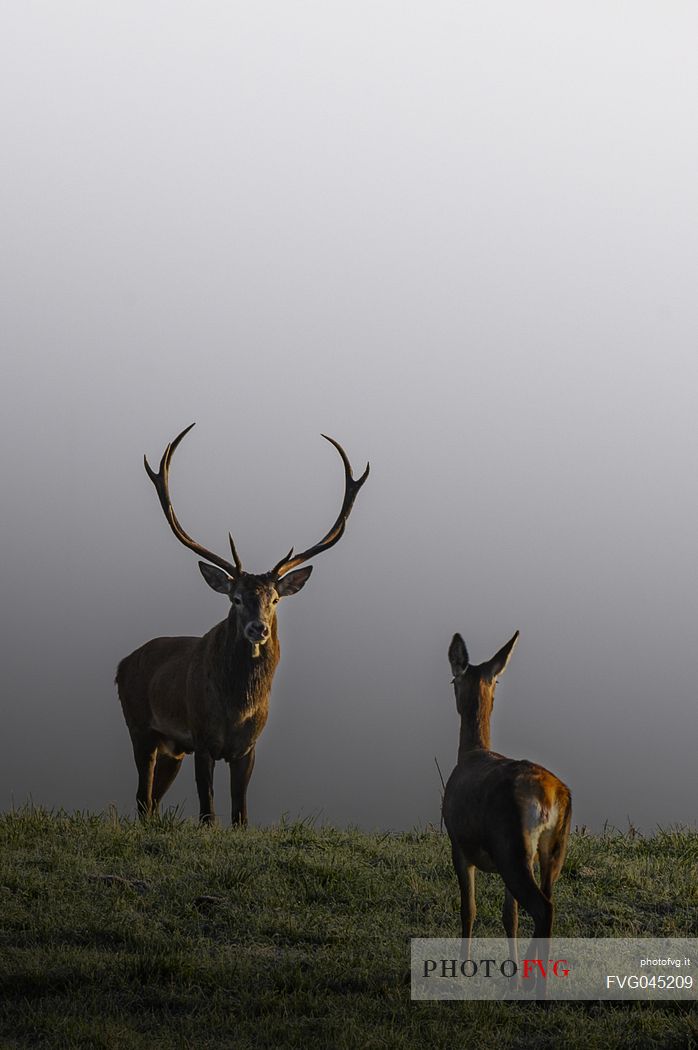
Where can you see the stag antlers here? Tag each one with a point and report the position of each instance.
(351, 488)
(161, 482)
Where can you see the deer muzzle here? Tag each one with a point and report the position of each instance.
(257, 633)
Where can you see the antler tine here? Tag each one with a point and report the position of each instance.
(161, 482)
(351, 489)
(236, 556)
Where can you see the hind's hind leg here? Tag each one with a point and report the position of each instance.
(510, 919)
(552, 849)
(550, 868)
(465, 873)
(515, 866)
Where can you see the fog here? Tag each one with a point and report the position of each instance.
(461, 239)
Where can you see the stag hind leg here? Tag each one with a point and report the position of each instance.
(166, 769)
(145, 749)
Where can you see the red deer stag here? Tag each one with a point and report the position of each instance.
(210, 695)
(500, 813)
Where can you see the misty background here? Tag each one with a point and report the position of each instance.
(461, 239)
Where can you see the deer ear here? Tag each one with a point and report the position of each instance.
(497, 665)
(292, 583)
(458, 655)
(217, 578)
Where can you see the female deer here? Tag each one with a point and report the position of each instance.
(501, 813)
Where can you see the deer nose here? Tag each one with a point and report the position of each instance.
(258, 629)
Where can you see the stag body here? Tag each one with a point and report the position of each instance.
(204, 695)
(210, 695)
(501, 813)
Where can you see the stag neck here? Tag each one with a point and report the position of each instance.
(238, 664)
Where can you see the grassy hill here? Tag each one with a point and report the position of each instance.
(119, 935)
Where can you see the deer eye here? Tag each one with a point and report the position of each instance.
(237, 599)
(275, 600)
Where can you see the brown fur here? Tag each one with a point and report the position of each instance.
(501, 813)
(210, 695)
(204, 695)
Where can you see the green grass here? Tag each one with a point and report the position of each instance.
(293, 936)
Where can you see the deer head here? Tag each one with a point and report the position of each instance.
(254, 597)
(475, 685)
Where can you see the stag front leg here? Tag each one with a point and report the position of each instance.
(203, 769)
(240, 773)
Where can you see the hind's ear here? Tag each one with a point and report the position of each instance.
(497, 665)
(458, 655)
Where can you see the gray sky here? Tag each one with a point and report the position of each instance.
(461, 238)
